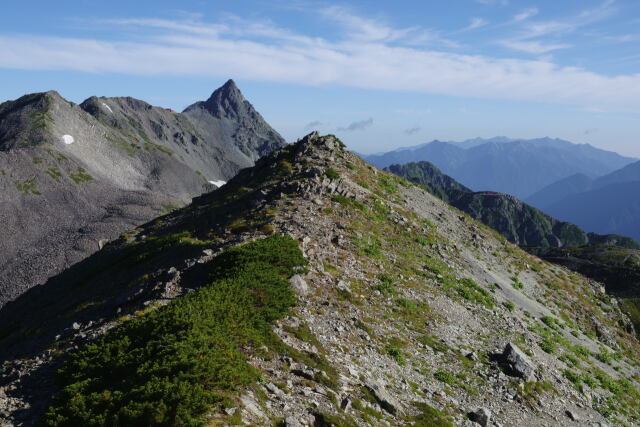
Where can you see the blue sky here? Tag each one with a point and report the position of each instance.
(379, 74)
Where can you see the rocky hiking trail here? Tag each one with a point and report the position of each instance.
(408, 312)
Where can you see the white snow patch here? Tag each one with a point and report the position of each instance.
(68, 139)
(107, 107)
(218, 183)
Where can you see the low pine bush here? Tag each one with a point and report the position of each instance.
(172, 365)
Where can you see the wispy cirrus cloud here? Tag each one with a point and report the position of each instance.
(533, 34)
(493, 2)
(533, 46)
(363, 53)
(475, 23)
(361, 29)
(525, 14)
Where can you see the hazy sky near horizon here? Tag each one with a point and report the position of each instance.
(381, 75)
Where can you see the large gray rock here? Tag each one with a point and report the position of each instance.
(518, 363)
(384, 398)
(572, 415)
(299, 285)
(482, 416)
(292, 421)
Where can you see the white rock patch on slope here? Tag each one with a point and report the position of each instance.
(107, 107)
(218, 183)
(68, 139)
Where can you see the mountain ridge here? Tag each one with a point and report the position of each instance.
(581, 200)
(76, 176)
(613, 208)
(468, 318)
(518, 167)
(518, 222)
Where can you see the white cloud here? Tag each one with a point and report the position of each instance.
(366, 58)
(475, 23)
(533, 47)
(362, 29)
(624, 38)
(572, 23)
(526, 41)
(525, 14)
(492, 2)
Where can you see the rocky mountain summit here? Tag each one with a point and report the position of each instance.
(73, 177)
(398, 310)
(227, 116)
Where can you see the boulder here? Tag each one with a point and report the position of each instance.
(572, 415)
(299, 285)
(303, 371)
(518, 363)
(482, 416)
(345, 404)
(292, 421)
(274, 389)
(252, 406)
(386, 401)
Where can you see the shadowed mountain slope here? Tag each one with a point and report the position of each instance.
(560, 190)
(518, 222)
(608, 204)
(614, 208)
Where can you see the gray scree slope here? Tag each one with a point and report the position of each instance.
(75, 176)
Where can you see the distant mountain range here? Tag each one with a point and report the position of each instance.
(515, 220)
(608, 204)
(73, 177)
(517, 167)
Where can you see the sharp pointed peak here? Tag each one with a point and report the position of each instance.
(226, 101)
(229, 90)
(230, 84)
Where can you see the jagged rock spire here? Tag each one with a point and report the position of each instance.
(227, 101)
(215, 117)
